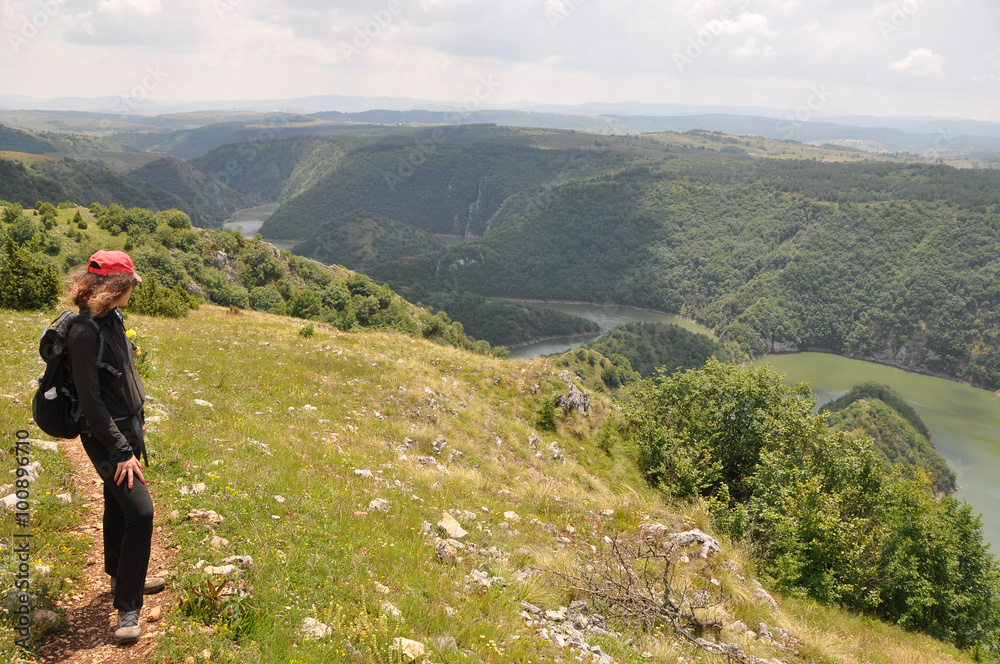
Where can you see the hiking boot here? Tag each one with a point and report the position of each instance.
(128, 627)
(153, 585)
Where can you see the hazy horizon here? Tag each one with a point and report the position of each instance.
(909, 58)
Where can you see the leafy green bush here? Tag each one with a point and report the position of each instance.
(828, 517)
(156, 261)
(23, 229)
(154, 300)
(12, 212)
(26, 282)
(306, 304)
(547, 415)
(267, 298)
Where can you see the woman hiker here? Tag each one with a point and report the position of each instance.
(112, 429)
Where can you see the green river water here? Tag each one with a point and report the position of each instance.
(964, 421)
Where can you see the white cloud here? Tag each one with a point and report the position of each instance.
(140, 7)
(920, 62)
(749, 23)
(751, 48)
(762, 52)
(80, 22)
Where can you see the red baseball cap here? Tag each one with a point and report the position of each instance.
(110, 262)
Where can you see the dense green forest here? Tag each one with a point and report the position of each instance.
(827, 515)
(183, 266)
(272, 171)
(211, 202)
(447, 180)
(886, 395)
(503, 322)
(895, 438)
(887, 261)
(649, 346)
(359, 241)
(902, 267)
(19, 185)
(84, 183)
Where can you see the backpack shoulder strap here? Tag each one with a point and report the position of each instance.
(101, 364)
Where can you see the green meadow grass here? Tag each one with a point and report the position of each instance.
(381, 400)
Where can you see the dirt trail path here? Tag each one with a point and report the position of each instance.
(88, 637)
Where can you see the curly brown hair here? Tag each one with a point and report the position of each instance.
(98, 291)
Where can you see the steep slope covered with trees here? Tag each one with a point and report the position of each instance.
(210, 202)
(359, 241)
(892, 263)
(446, 180)
(896, 430)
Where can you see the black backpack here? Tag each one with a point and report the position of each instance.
(55, 406)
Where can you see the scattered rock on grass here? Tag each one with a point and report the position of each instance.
(390, 609)
(208, 516)
(763, 596)
(314, 629)
(410, 649)
(447, 644)
(445, 552)
(709, 546)
(452, 527)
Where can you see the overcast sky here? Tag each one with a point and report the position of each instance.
(902, 57)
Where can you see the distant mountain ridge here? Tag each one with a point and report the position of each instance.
(892, 134)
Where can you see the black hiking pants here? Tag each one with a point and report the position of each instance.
(128, 523)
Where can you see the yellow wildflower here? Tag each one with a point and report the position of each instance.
(130, 334)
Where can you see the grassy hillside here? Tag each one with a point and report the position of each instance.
(15, 140)
(304, 433)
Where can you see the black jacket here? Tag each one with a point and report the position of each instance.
(105, 398)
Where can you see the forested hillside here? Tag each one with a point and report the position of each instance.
(649, 346)
(184, 266)
(15, 140)
(210, 201)
(359, 241)
(895, 438)
(61, 180)
(502, 322)
(271, 171)
(446, 180)
(896, 263)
